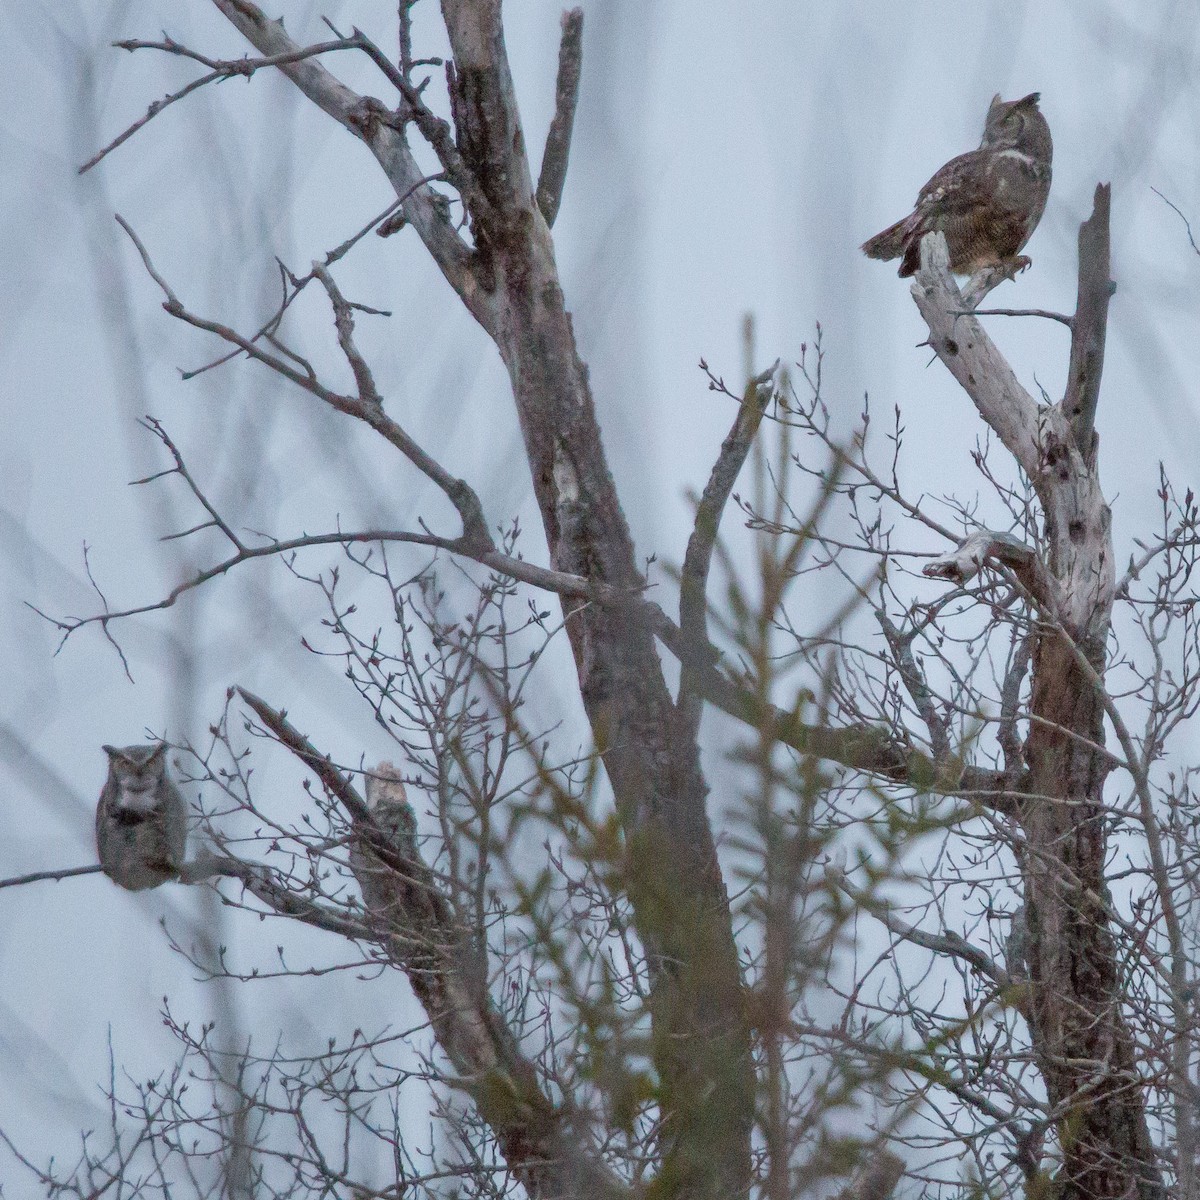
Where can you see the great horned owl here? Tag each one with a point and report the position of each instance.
(987, 202)
(382, 886)
(141, 820)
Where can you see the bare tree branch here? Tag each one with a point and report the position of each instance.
(693, 583)
(366, 121)
(973, 359)
(872, 749)
(220, 69)
(1187, 225)
(273, 890)
(984, 546)
(367, 409)
(989, 278)
(1061, 318)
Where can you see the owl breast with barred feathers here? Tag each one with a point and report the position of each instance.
(987, 202)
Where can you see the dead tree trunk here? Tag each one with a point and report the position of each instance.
(1080, 1035)
(508, 280)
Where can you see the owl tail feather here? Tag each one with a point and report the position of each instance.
(891, 243)
(902, 240)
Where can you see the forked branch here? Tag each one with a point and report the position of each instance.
(366, 407)
(423, 208)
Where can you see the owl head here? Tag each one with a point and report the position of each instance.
(137, 772)
(1017, 125)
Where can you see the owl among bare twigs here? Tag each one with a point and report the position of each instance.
(987, 202)
(141, 820)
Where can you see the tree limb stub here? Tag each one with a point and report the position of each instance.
(984, 546)
(1091, 321)
(553, 175)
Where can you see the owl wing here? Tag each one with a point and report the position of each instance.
(948, 200)
(959, 203)
(969, 200)
(961, 182)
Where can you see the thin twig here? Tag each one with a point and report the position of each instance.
(1062, 318)
(298, 284)
(219, 69)
(334, 782)
(1186, 223)
(215, 519)
(343, 316)
(558, 582)
(35, 876)
(382, 132)
(434, 129)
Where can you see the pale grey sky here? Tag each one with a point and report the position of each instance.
(729, 158)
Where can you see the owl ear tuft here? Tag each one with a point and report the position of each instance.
(996, 104)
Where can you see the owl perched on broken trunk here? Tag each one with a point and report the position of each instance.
(141, 820)
(987, 202)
